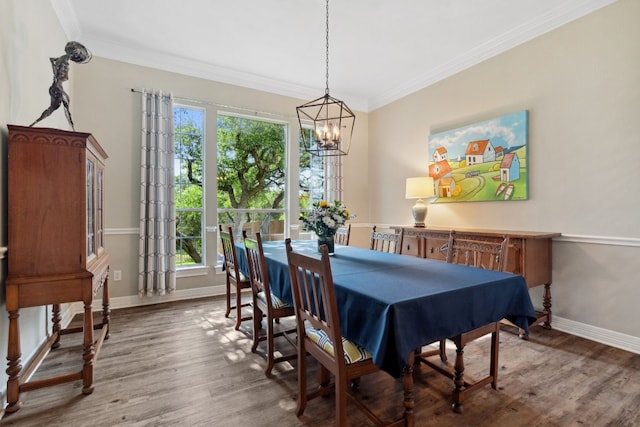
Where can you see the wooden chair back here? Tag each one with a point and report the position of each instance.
(233, 276)
(257, 266)
(478, 252)
(481, 253)
(342, 235)
(265, 304)
(228, 250)
(314, 300)
(317, 316)
(386, 241)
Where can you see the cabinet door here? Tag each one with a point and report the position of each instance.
(99, 209)
(91, 197)
(436, 246)
(411, 246)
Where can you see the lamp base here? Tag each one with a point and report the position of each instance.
(419, 211)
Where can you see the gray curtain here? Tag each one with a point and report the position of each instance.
(157, 254)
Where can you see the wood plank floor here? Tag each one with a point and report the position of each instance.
(183, 364)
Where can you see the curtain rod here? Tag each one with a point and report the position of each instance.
(247, 110)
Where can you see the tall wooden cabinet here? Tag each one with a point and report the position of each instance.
(56, 243)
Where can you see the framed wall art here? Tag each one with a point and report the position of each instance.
(484, 161)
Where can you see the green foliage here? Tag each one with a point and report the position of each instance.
(251, 163)
(189, 177)
(311, 176)
(188, 146)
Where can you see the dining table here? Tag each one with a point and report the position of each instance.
(393, 304)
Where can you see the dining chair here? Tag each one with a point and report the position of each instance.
(343, 234)
(479, 253)
(319, 336)
(234, 277)
(266, 305)
(386, 241)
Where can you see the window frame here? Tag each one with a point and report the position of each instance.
(194, 269)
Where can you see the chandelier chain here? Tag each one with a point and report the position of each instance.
(327, 53)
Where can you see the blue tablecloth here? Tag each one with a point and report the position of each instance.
(392, 304)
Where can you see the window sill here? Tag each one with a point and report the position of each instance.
(200, 270)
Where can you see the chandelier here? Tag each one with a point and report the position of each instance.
(332, 120)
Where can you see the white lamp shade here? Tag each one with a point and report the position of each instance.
(420, 187)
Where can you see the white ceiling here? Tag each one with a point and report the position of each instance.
(379, 50)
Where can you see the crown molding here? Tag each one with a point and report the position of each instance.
(542, 24)
(554, 18)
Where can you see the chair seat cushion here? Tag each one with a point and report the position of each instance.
(352, 352)
(275, 301)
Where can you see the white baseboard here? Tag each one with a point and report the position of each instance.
(594, 333)
(136, 301)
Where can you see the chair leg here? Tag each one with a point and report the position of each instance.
(323, 376)
(270, 349)
(238, 307)
(443, 350)
(228, 298)
(302, 378)
(257, 320)
(495, 343)
(341, 403)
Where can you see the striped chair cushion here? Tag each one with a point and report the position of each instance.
(352, 352)
(275, 301)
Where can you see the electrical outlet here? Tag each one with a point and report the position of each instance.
(117, 275)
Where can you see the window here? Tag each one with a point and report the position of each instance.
(320, 177)
(312, 176)
(189, 172)
(251, 174)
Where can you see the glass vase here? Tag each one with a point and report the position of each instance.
(326, 240)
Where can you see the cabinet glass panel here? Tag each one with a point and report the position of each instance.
(90, 208)
(99, 207)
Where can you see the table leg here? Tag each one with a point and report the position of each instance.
(458, 379)
(409, 402)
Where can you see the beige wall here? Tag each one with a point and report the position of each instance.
(581, 86)
(29, 34)
(106, 107)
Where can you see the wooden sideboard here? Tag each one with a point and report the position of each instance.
(529, 254)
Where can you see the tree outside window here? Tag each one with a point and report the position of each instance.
(312, 176)
(189, 172)
(251, 174)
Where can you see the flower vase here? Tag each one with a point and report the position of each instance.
(326, 240)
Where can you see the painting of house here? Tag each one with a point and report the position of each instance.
(441, 173)
(484, 161)
(480, 152)
(510, 168)
(440, 154)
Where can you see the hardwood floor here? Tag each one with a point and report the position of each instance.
(183, 364)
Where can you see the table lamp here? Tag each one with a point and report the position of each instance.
(419, 188)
